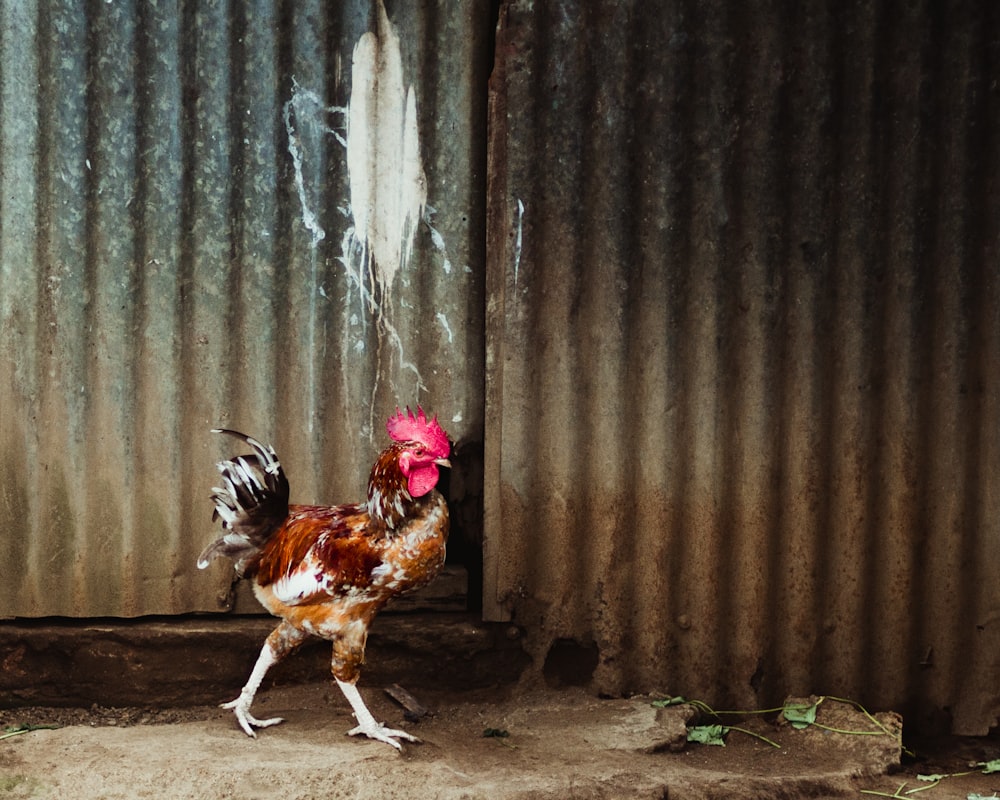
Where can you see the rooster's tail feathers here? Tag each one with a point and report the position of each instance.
(252, 502)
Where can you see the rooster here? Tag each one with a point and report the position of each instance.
(326, 571)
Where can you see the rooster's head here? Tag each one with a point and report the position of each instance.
(407, 469)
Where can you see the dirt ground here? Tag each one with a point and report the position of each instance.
(544, 744)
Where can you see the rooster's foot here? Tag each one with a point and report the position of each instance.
(241, 707)
(381, 733)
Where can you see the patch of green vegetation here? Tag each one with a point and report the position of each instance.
(17, 730)
(799, 716)
(902, 793)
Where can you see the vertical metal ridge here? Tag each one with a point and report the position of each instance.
(19, 186)
(855, 42)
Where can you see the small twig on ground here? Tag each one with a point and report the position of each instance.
(413, 709)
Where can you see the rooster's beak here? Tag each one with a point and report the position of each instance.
(442, 462)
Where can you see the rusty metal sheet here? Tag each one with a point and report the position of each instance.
(252, 215)
(743, 357)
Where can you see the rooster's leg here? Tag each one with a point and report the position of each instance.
(280, 643)
(367, 726)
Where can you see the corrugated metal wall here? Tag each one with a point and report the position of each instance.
(743, 372)
(191, 194)
(742, 315)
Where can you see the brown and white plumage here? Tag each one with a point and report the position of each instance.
(327, 570)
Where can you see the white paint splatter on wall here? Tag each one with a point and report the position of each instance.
(518, 242)
(388, 196)
(388, 186)
(304, 105)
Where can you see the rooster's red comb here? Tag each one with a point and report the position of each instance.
(409, 428)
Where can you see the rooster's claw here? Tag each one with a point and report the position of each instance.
(241, 707)
(383, 734)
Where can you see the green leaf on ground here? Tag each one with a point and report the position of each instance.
(669, 701)
(708, 734)
(800, 716)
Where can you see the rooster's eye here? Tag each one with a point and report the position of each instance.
(419, 451)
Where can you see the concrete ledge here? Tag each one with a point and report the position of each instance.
(189, 661)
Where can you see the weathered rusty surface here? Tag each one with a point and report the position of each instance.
(182, 246)
(744, 349)
(742, 317)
